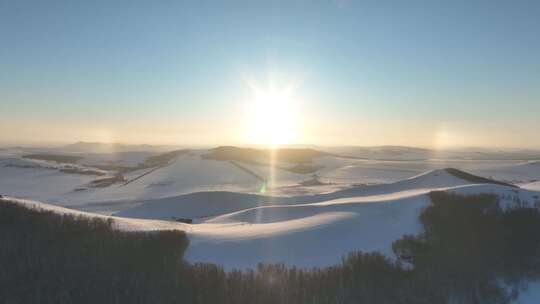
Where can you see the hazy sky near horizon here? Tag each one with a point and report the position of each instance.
(418, 73)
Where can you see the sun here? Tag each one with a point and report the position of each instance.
(272, 117)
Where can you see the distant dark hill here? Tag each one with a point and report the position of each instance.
(383, 152)
(250, 155)
(98, 147)
(475, 178)
(415, 153)
(163, 159)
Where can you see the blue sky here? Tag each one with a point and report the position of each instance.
(426, 73)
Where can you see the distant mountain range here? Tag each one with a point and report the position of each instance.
(83, 146)
(414, 153)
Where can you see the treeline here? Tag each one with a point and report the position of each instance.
(471, 251)
(51, 258)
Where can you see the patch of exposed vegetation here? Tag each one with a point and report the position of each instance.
(152, 163)
(107, 181)
(66, 159)
(71, 169)
(79, 170)
(159, 160)
(28, 166)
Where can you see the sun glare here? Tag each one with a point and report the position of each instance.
(272, 118)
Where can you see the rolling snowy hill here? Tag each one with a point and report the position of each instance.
(111, 181)
(241, 230)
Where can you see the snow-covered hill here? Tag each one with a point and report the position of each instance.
(70, 185)
(318, 234)
(535, 186)
(241, 230)
(206, 204)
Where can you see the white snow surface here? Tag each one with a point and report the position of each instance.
(306, 231)
(535, 186)
(190, 173)
(206, 204)
(362, 205)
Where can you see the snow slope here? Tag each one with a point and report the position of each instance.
(46, 184)
(304, 235)
(187, 174)
(310, 234)
(290, 229)
(205, 204)
(190, 174)
(317, 234)
(535, 186)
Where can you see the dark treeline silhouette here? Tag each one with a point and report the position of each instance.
(50, 258)
(471, 251)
